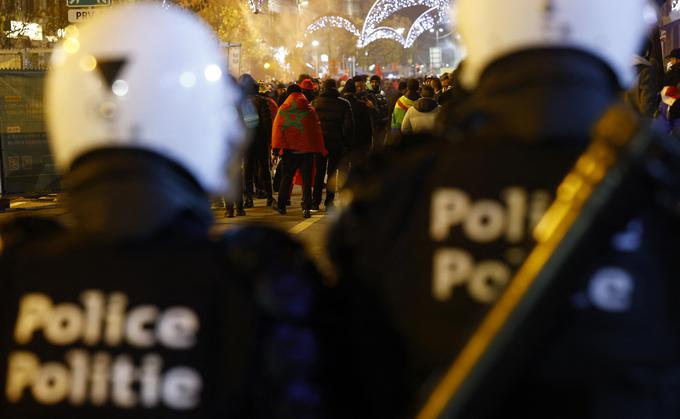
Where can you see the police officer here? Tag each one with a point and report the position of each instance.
(132, 310)
(452, 222)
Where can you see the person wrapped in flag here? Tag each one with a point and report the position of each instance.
(296, 137)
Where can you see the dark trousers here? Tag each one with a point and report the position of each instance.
(379, 137)
(238, 181)
(257, 161)
(329, 164)
(229, 205)
(290, 163)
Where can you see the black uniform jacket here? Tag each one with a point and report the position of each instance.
(434, 233)
(132, 311)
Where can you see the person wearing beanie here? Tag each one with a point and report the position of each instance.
(257, 160)
(380, 113)
(363, 131)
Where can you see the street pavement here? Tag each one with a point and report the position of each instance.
(312, 231)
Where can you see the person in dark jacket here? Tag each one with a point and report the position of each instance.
(134, 309)
(438, 87)
(393, 96)
(453, 222)
(381, 119)
(251, 121)
(453, 98)
(256, 159)
(363, 131)
(337, 123)
(280, 95)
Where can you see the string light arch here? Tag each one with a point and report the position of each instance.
(325, 22)
(437, 14)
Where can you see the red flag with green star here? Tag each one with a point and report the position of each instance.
(297, 127)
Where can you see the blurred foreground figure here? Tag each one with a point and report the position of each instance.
(132, 311)
(453, 221)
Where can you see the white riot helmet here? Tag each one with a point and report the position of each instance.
(610, 30)
(145, 77)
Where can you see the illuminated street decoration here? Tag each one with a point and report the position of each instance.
(437, 14)
(382, 33)
(256, 5)
(325, 22)
(423, 23)
(675, 6)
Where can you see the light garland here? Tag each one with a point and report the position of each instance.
(339, 22)
(423, 23)
(436, 14)
(382, 33)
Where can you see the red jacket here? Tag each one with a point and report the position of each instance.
(297, 127)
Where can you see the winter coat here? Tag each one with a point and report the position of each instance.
(421, 117)
(263, 131)
(297, 127)
(337, 120)
(363, 132)
(380, 106)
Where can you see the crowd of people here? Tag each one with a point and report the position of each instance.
(319, 129)
(135, 308)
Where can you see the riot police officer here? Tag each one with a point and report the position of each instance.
(131, 309)
(452, 221)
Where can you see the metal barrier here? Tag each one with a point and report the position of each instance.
(24, 58)
(26, 166)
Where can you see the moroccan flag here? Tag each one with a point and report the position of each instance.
(297, 127)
